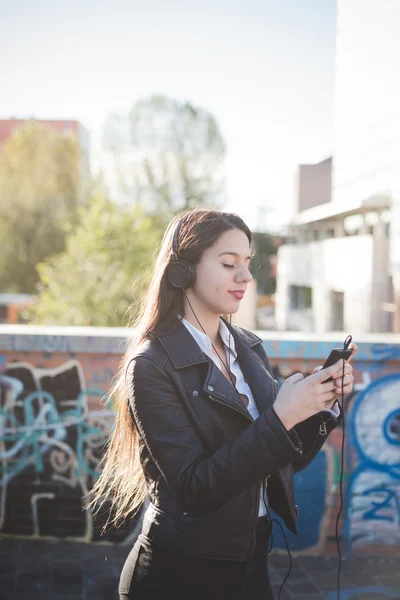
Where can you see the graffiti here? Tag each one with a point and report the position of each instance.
(68, 344)
(373, 496)
(53, 430)
(50, 448)
(32, 343)
(364, 592)
(372, 502)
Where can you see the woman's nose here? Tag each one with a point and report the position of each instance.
(244, 275)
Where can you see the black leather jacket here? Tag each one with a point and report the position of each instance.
(204, 457)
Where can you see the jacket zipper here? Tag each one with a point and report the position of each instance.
(322, 428)
(229, 405)
(177, 519)
(253, 529)
(296, 509)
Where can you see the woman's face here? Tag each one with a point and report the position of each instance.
(223, 273)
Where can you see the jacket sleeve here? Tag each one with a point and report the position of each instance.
(202, 481)
(308, 432)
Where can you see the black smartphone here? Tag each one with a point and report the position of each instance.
(335, 355)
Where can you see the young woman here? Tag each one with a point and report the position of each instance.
(202, 430)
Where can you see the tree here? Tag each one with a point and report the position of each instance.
(39, 190)
(103, 269)
(265, 246)
(167, 155)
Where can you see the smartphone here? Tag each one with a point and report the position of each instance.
(335, 355)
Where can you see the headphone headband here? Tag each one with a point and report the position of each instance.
(175, 240)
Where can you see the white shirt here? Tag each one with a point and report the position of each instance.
(241, 384)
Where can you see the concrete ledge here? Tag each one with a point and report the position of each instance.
(112, 340)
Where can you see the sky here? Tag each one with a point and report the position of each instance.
(264, 68)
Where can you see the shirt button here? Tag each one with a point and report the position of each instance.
(195, 393)
(210, 388)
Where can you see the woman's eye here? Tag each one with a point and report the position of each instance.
(229, 266)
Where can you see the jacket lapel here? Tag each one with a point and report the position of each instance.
(221, 390)
(184, 352)
(259, 379)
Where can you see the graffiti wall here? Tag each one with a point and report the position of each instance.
(55, 421)
(370, 520)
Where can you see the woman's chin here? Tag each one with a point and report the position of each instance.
(231, 310)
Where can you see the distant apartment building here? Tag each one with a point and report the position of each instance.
(8, 126)
(341, 271)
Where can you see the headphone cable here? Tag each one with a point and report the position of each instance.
(345, 347)
(227, 368)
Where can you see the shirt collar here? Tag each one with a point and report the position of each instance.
(204, 341)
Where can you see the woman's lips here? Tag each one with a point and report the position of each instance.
(237, 295)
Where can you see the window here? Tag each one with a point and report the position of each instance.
(300, 297)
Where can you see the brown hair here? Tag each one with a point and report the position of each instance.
(121, 480)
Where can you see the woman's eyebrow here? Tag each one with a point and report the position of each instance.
(234, 254)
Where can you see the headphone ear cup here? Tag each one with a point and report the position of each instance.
(181, 274)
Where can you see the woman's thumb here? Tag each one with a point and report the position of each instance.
(295, 378)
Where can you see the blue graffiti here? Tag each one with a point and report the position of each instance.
(50, 442)
(385, 352)
(377, 506)
(349, 593)
(391, 427)
(373, 493)
(42, 427)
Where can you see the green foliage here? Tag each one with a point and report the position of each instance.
(167, 155)
(39, 190)
(103, 269)
(265, 246)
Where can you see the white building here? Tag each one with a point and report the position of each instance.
(342, 269)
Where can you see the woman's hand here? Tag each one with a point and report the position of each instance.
(348, 381)
(302, 397)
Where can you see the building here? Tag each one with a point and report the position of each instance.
(11, 306)
(341, 270)
(8, 126)
(313, 185)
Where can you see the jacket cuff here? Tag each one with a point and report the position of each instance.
(289, 439)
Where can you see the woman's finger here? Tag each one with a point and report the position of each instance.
(347, 369)
(354, 349)
(328, 396)
(346, 380)
(348, 389)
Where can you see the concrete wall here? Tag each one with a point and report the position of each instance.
(53, 429)
(354, 265)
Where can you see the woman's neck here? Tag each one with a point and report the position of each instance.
(209, 321)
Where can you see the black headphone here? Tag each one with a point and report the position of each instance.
(181, 273)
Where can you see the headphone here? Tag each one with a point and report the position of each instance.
(181, 273)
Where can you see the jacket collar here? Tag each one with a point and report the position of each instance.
(184, 351)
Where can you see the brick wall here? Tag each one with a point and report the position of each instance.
(53, 427)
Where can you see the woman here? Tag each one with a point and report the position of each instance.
(202, 429)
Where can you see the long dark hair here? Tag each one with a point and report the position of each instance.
(121, 480)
